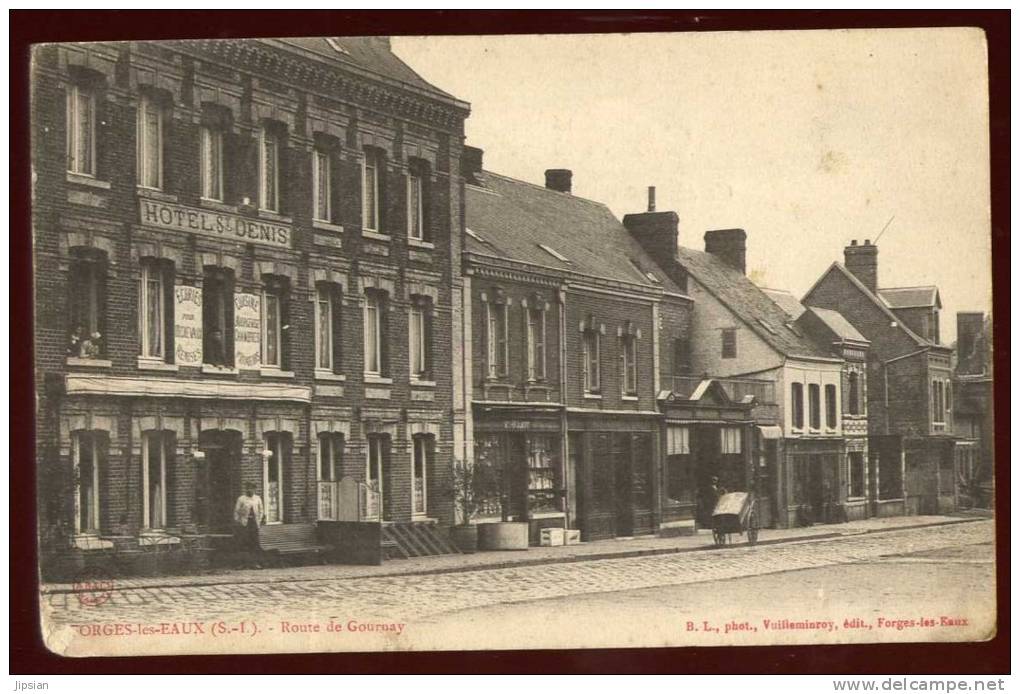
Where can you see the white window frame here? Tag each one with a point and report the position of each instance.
(420, 447)
(159, 438)
(375, 443)
(74, 130)
(416, 339)
(497, 367)
(678, 440)
(324, 295)
(415, 218)
(146, 167)
(329, 441)
(277, 454)
(370, 217)
(76, 445)
(592, 361)
(798, 403)
(629, 349)
(536, 344)
(149, 271)
(321, 177)
(373, 327)
(814, 388)
(731, 442)
(269, 200)
(211, 150)
(277, 331)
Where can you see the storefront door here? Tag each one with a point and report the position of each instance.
(217, 478)
(624, 485)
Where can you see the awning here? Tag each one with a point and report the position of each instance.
(771, 432)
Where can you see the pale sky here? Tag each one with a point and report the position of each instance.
(804, 139)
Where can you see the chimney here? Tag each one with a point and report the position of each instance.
(970, 326)
(730, 246)
(651, 198)
(658, 233)
(558, 179)
(471, 163)
(862, 262)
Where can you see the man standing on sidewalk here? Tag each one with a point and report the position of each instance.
(248, 516)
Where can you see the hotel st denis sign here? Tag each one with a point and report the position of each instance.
(221, 225)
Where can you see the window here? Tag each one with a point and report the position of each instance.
(831, 415)
(536, 344)
(331, 448)
(88, 453)
(273, 324)
(814, 406)
(322, 186)
(155, 310)
(416, 202)
(681, 356)
(730, 440)
(150, 143)
(855, 475)
(218, 317)
(949, 396)
(629, 346)
(592, 372)
(678, 440)
(496, 339)
(87, 304)
(81, 131)
(327, 327)
(938, 401)
(275, 459)
(370, 190)
(797, 405)
(375, 333)
(422, 453)
(854, 393)
(420, 337)
(157, 456)
(374, 475)
(729, 343)
(212, 163)
(269, 170)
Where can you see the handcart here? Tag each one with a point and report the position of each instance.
(735, 513)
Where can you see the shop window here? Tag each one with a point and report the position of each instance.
(150, 143)
(543, 471)
(854, 393)
(417, 200)
(855, 474)
(591, 361)
(420, 337)
(274, 322)
(218, 317)
(87, 304)
(730, 440)
(81, 130)
(88, 452)
(155, 310)
(536, 344)
(496, 339)
(327, 327)
(269, 169)
(814, 406)
(629, 347)
(797, 405)
(372, 189)
(680, 483)
(729, 343)
(331, 448)
(157, 459)
(831, 407)
(422, 454)
(212, 163)
(275, 461)
(322, 185)
(376, 338)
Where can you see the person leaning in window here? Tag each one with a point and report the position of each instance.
(248, 516)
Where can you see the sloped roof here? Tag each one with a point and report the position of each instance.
(910, 297)
(513, 219)
(749, 303)
(786, 300)
(839, 325)
(370, 53)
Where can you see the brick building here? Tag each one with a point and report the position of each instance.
(910, 392)
(249, 272)
(974, 409)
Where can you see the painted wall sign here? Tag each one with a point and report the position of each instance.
(221, 225)
(187, 325)
(247, 331)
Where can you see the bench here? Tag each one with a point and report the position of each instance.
(290, 539)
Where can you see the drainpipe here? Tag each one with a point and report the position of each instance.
(564, 436)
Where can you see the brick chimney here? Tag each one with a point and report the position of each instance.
(730, 246)
(862, 262)
(471, 163)
(658, 234)
(970, 326)
(558, 179)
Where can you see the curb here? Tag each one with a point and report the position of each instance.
(573, 559)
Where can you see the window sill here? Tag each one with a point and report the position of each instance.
(93, 363)
(375, 236)
(155, 365)
(546, 514)
(273, 372)
(327, 226)
(421, 383)
(420, 243)
(593, 396)
(155, 194)
(328, 376)
(87, 180)
(376, 379)
(221, 370)
(630, 398)
(856, 499)
(217, 205)
(274, 216)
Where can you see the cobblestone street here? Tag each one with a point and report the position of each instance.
(303, 610)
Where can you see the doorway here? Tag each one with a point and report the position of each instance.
(217, 482)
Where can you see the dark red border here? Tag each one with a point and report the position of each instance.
(27, 653)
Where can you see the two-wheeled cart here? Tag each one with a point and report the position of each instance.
(735, 513)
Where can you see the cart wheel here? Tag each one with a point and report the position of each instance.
(752, 529)
(719, 537)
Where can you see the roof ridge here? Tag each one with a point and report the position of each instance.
(550, 190)
(878, 302)
(918, 286)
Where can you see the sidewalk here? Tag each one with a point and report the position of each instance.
(606, 549)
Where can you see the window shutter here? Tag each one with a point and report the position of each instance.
(337, 307)
(283, 174)
(227, 297)
(426, 204)
(230, 171)
(250, 170)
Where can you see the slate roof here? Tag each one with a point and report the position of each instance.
(371, 53)
(839, 325)
(786, 300)
(749, 303)
(910, 297)
(513, 219)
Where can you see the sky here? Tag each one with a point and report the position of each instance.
(805, 139)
